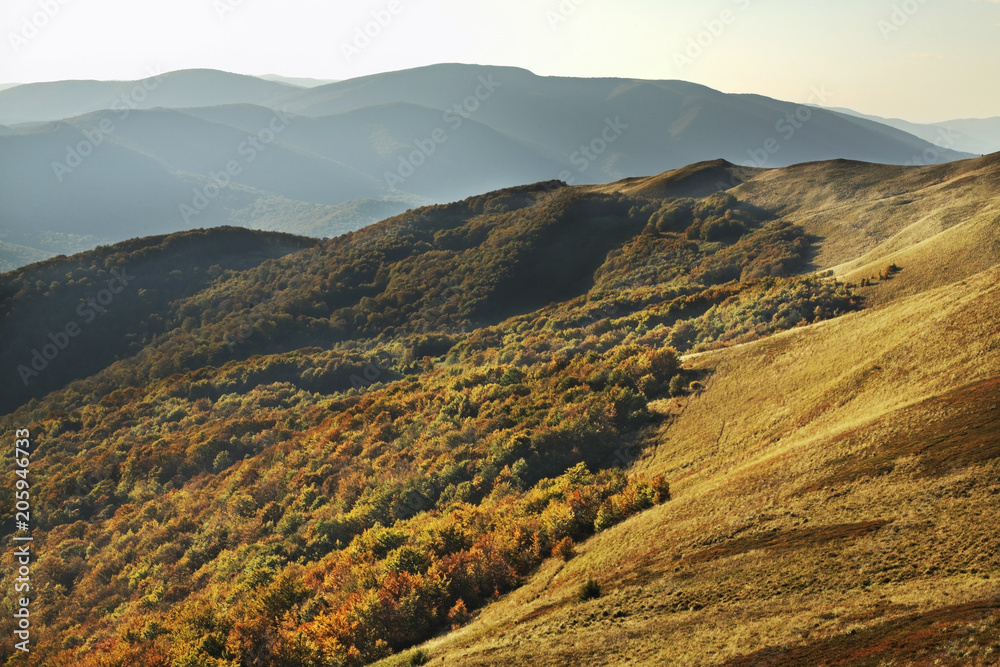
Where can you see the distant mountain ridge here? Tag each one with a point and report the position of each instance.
(678, 122)
(58, 100)
(302, 82)
(98, 162)
(979, 136)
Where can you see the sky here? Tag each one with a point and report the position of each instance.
(922, 60)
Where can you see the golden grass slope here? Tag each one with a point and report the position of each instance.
(835, 487)
(864, 213)
(940, 223)
(696, 180)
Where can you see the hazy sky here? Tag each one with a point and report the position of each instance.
(923, 60)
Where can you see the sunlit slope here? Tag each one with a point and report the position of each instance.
(834, 486)
(835, 491)
(865, 212)
(695, 180)
(939, 223)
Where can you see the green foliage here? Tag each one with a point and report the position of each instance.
(511, 376)
(43, 298)
(406, 559)
(222, 461)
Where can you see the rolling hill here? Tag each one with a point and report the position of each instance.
(339, 156)
(160, 171)
(644, 422)
(58, 100)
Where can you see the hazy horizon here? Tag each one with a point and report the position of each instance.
(10, 84)
(893, 59)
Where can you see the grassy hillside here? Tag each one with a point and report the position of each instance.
(641, 423)
(832, 488)
(831, 485)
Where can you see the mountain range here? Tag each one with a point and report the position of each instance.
(84, 163)
(721, 415)
(979, 136)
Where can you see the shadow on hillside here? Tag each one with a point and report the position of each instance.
(918, 639)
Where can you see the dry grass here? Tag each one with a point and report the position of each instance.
(835, 502)
(863, 212)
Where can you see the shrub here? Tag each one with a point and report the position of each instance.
(222, 461)
(607, 516)
(590, 590)
(564, 548)
(677, 387)
(661, 489)
(719, 229)
(406, 559)
(682, 335)
(511, 376)
(459, 615)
